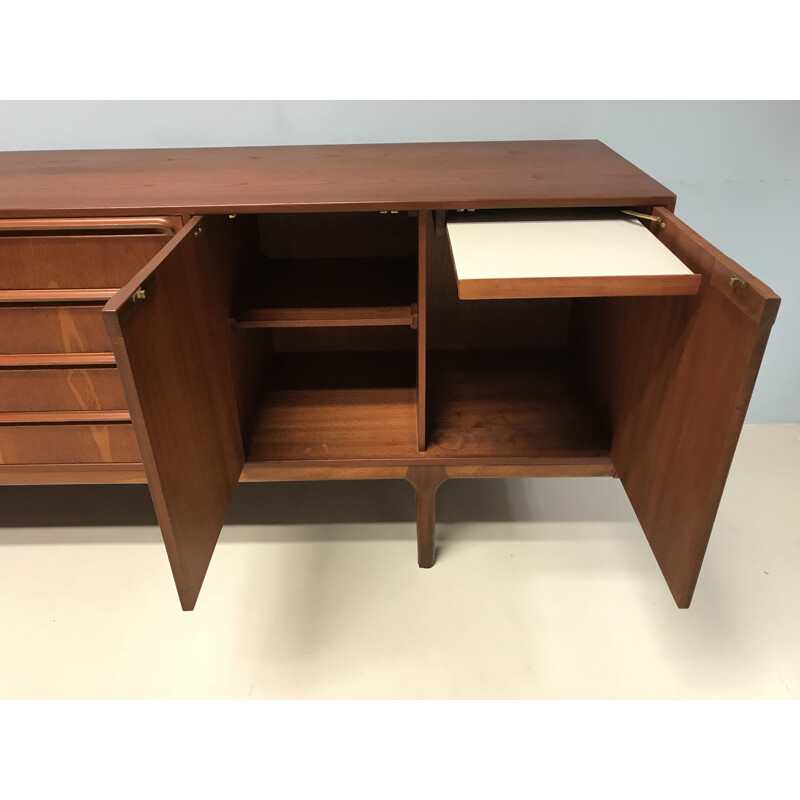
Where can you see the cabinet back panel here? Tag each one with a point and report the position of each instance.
(332, 235)
(290, 340)
(455, 324)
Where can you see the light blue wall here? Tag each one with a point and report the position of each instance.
(735, 166)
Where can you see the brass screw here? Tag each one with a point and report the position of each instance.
(197, 232)
(737, 282)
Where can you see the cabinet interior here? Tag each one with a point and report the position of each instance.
(322, 376)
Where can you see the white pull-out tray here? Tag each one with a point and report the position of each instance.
(564, 258)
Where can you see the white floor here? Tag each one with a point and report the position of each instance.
(542, 589)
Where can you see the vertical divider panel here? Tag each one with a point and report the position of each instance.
(423, 224)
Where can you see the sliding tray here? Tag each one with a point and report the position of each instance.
(498, 256)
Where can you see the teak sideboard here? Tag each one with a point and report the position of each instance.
(193, 318)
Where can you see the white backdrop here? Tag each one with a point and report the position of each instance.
(735, 165)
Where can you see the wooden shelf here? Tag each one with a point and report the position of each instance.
(330, 292)
(519, 407)
(343, 317)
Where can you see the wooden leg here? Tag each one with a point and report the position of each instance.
(426, 482)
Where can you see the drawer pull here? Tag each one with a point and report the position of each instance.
(63, 417)
(156, 224)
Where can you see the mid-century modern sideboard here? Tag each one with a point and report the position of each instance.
(198, 317)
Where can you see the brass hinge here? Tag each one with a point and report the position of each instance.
(650, 217)
(737, 282)
(139, 294)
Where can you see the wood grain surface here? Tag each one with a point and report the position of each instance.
(357, 409)
(511, 288)
(67, 444)
(424, 227)
(92, 389)
(426, 481)
(674, 376)
(90, 261)
(323, 177)
(52, 329)
(172, 351)
(60, 474)
(340, 317)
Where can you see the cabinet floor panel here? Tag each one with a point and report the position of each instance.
(515, 405)
(337, 407)
(354, 409)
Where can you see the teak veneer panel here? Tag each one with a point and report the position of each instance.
(332, 235)
(323, 177)
(492, 408)
(675, 376)
(74, 262)
(515, 405)
(332, 283)
(67, 444)
(423, 230)
(337, 406)
(172, 348)
(355, 317)
(52, 329)
(60, 474)
(97, 389)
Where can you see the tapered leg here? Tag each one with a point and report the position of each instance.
(426, 481)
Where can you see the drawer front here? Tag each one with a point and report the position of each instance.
(82, 260)
(95, 389)
(68, 444)
(52, 329)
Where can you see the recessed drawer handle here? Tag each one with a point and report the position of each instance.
(159, 224)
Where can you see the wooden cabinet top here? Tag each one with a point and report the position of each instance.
(323, 178)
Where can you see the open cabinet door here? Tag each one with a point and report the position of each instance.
(169, 329)
(675, 376)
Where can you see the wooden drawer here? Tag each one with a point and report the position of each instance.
(52, 329)
(94, 389)
(78, 254)
(68, 444)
